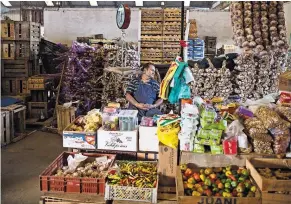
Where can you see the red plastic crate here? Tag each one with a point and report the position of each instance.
(48, 182)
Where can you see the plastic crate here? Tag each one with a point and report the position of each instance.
(48, 182)
(114, 192)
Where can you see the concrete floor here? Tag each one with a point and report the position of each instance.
(23, 162)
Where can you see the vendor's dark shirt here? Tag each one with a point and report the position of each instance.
(133, 85)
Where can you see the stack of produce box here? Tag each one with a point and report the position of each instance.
(210, 132)
(189, 122)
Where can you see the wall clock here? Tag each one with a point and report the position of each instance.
(123, 16)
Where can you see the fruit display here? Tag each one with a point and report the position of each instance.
(94, 169)
(278, 174)
(219, 181)
(135, 174)
(89, 123)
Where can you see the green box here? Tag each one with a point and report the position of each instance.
(198, 148)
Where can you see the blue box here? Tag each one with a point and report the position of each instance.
(198, 54)
(190, 43)
(198, 48)
(198, 42)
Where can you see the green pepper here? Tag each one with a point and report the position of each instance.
(214, 185)
(247, 185)
(227, 185)
(207, 182)
(240, 188)
(234, 184)
(228, 180)
(241, 179)
(223, 181)
(227, 190)
(245, 172)
(253, 189)
(215, 189)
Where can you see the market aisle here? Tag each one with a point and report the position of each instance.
(22, 163)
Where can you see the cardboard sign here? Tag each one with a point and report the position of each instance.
(117, 140)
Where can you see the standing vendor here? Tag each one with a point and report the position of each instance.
(142, 93)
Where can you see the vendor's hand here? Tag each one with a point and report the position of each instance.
(142, 106)
(150, 106)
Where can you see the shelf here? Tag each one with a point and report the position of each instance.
(151, 59)
(151, 32)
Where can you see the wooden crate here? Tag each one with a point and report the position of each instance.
(16, 68)
(41, 95)
(65, 116)
(35, 109)
(275, 198)
(14, 86)
(17, 114)
(269, 184)
(28, 31)
(26, 49)
(8, 50)
(43, 82)
(7, 30)
(182, 199)
(5, 128)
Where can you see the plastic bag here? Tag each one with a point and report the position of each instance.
(281, 140)
(236, 129)
(262, 147)
(185, 91)
(168, 135)
(285, 112)
(74, 162)
(268, 116)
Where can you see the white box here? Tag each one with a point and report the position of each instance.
(117, 140)
(148, 139)
(79, 140)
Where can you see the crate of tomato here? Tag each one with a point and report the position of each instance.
(77, 173)
(216, 185)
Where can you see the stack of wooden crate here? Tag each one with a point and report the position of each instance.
(19, 55)
(43, 94)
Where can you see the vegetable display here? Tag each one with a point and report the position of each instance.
(135, 174)
(89, 123)
(94, 169)
(223, 182)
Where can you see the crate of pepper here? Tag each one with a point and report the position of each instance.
(77, 173)
(134, 181)
(216, 185)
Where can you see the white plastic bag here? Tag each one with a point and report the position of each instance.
(236, 129)
(73, 162)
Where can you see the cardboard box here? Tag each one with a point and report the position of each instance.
(117, 140)
(148, 139)
(79, 140)
(167, 165)
(285, 81)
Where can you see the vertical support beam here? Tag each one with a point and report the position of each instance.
(182, 28)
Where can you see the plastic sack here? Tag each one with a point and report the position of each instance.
(185, 91)
(262, 147)
(284, 112)
(263, 101)
(281, 140)
(236, 129)
(74, 162)
(168, 135)
(269, 117)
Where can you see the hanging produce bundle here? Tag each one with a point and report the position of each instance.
(81, 74)
(259, 26)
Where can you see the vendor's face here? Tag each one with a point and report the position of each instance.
(150, 71)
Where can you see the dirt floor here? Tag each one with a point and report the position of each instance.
(22, 163)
